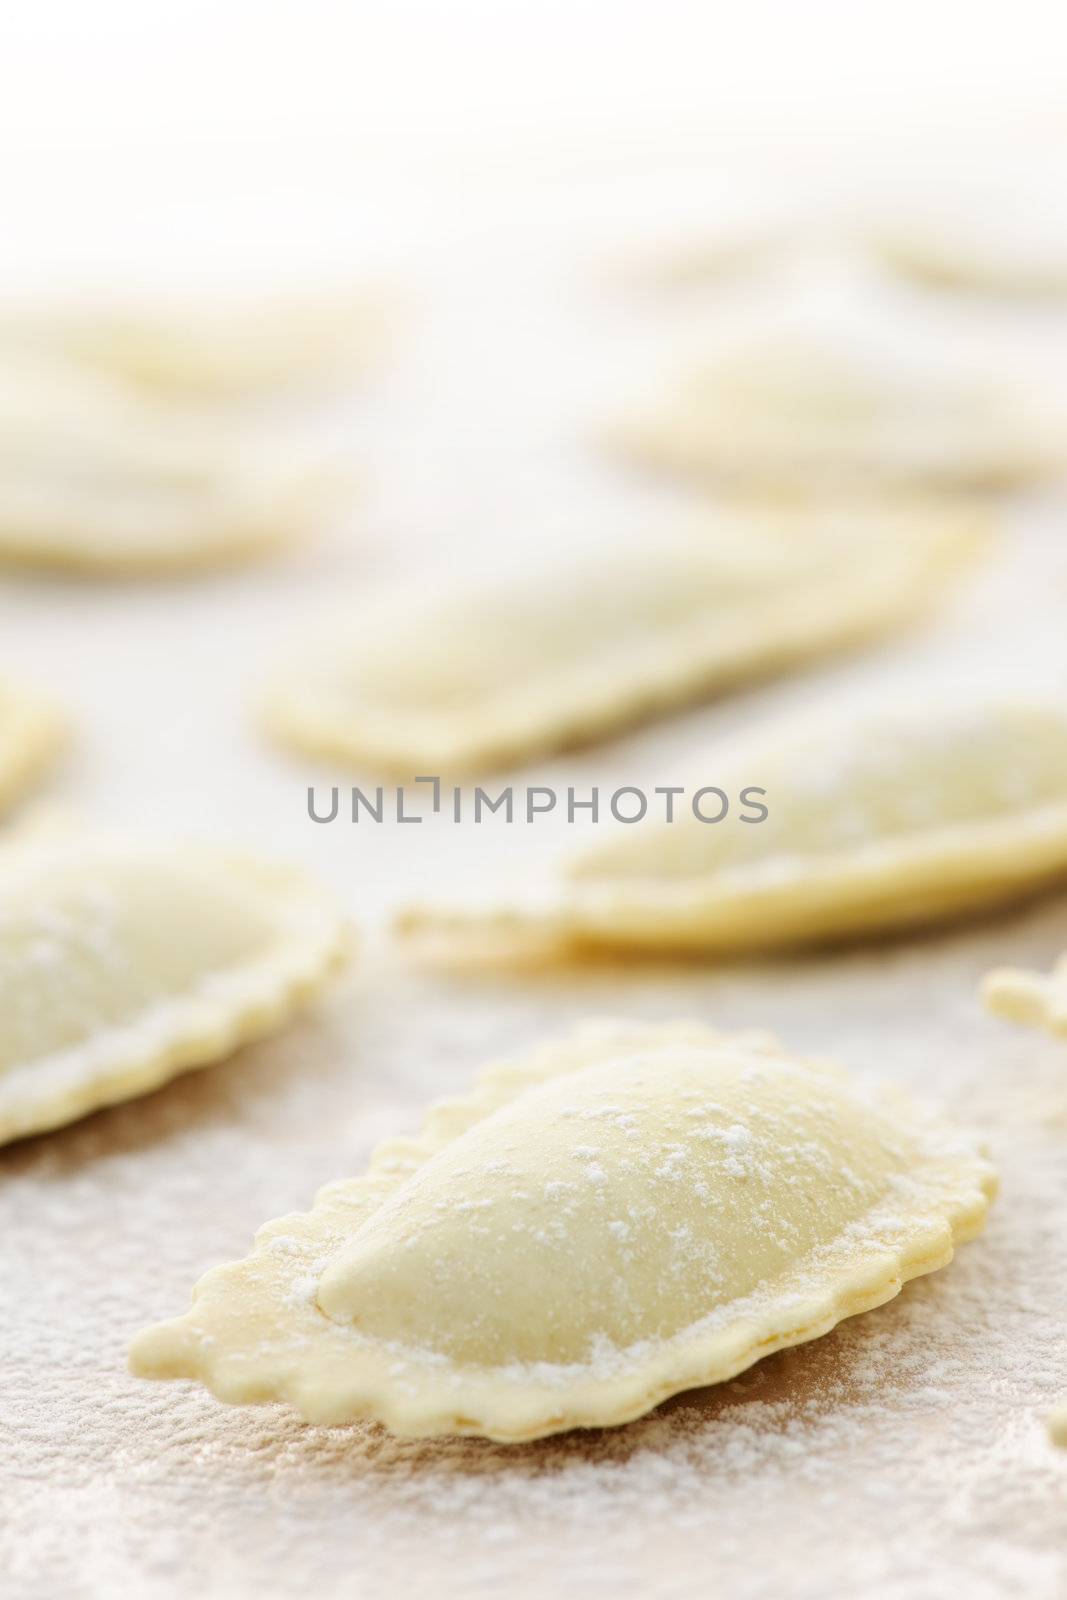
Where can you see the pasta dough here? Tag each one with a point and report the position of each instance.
(819, 410)
(122, 965)
(740, 240)
(584, 646)
(1006, 237)
(1030, 996)
(632, 1211)
(95, 479)
(31, 733)
(879, 820)
(219, 347)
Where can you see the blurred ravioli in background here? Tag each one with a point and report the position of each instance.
(1003, 233)
(1035, 998)
(824, 408)
(878, 819)
(736, 239)
(32, 732)
(208, 346)
(97, 478)
(124, 963)
(589, 642)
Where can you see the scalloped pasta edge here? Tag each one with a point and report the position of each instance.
(177, 1349)
(194, 1030)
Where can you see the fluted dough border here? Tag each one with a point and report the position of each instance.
(255, 1332)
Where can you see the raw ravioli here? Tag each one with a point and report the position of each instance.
(122, 965)
(31, 733)
(1006, 236)
(739, 240)
(816, 411)
(879, 819)
(97, 479)
(1030, 997)
(221, 346)
(586, 644)
(629, 1212)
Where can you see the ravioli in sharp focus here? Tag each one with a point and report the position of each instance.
(631, 1211)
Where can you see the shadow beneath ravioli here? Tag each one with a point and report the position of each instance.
(877, 1361)
(794, 1387)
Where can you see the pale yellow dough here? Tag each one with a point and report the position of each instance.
(1040, 1000)
(123, 964)
(739, 244)
(588, 643)
(97, 479)
(1031, 997)
(221, 346)
(883, 818)
(32, 732)
(629, 1212)
(1004, 235)
(819, 411)
(968, 261)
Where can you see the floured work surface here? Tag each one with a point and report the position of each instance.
(904, 1455)
(915, 1433)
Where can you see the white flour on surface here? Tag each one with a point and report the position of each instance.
(902, 1457)
(905, 1453)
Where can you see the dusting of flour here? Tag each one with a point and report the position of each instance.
(902, 1457)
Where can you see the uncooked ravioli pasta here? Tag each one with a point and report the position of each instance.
(816, 410)
(739, 240)
(623, 1214)
(590, 642)
(1032, 997)
(96, 479)
(1004, 236)
(882, 818)
(1039, 999)
(221, 346)
(124, 964)
(31, 733)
